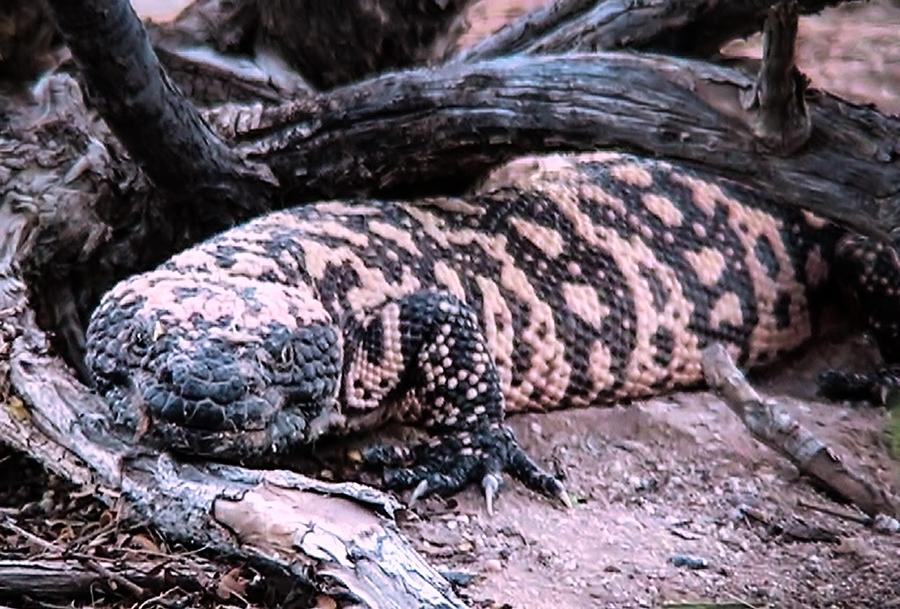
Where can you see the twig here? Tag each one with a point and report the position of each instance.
(121, 580)
(40, 541)
(864, 520)
(772, 424)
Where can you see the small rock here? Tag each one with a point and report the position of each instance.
(536, 427)
(440, 536)
(886, 524)
(458, 578)
(691, 562)
(493, 565)
(465, 547)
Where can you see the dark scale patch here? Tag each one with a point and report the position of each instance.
(664, 343)
(336, 281)
(281, 246)
(375, 343)
(782, 311)
(201, 322)
(765, 253)
(182, 292)
(248, 295)
(225, 254)
(658, 292)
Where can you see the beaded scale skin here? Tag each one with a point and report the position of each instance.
(563, 281)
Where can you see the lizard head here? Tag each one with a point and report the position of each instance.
(214, 365)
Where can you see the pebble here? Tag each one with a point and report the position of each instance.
(691, 562)
(886, 524)
(493, 565)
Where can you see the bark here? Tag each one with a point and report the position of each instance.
(66, 578)
(783, 124)
(680, 27)
(162, 131)
(374, 35)
(377, 137)
(773, 425)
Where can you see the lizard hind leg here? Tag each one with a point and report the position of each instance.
(449, 386)
(871, 270)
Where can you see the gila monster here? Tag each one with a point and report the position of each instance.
(563, 281)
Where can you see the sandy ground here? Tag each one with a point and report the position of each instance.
(680, 475)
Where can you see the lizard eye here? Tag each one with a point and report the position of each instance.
(140, 341)
(286, 356)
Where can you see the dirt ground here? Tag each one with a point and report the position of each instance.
(662, 479)
(678, 476)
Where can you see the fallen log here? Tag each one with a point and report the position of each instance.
(694, 27)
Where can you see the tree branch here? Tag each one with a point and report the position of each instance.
(683, 27)
(772, 425)
(160, 129)
(333, 43)
(377, 136)
(783, 124)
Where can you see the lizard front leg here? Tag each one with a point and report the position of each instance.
(424, 359)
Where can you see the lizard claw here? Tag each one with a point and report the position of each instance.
(420, 491)
(491, 484)
(563, 496)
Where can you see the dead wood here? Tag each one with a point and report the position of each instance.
(374, 35)
(162, 131)
(66, 578)
(773, 425)
(679, 27)
(377, 137)
(783, 124)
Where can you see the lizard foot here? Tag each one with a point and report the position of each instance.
(876, 387)
(445, 465)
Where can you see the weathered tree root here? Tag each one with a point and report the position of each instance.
(772, 424)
